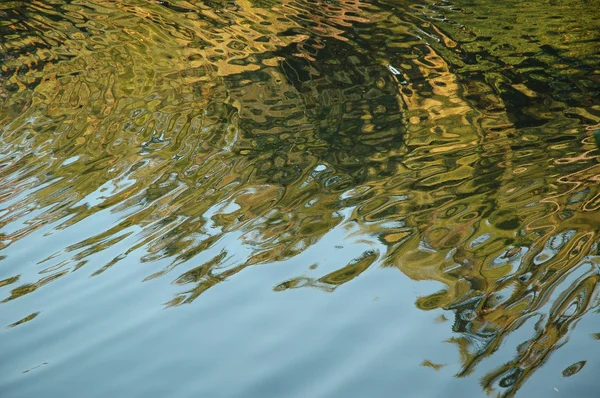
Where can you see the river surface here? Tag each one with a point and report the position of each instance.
(299, 198)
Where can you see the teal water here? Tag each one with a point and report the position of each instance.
(301, 198)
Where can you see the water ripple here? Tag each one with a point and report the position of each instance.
(183, 143)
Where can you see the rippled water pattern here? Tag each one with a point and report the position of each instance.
(299, 198)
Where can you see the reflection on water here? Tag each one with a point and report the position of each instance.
(191, 140)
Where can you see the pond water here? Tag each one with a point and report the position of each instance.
(299, 198)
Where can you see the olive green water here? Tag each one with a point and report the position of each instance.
(273, 198)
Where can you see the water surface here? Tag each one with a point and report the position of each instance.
(273, 198)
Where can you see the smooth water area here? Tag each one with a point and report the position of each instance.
(299, 198)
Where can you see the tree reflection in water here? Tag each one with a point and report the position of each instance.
(270, 124)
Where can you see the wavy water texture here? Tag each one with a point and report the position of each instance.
(192, 140)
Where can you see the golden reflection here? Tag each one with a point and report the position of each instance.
(216, 136)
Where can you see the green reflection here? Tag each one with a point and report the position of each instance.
(456, 141)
